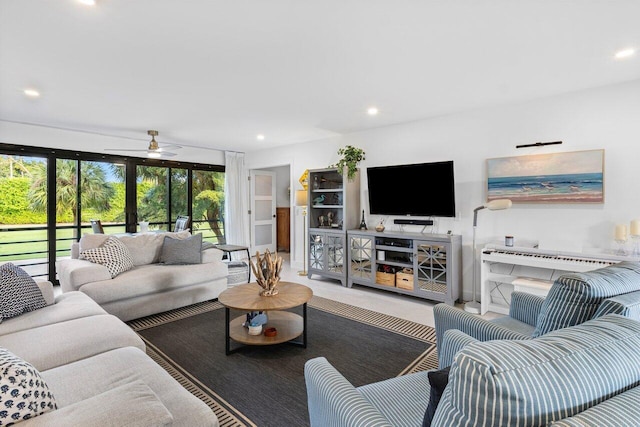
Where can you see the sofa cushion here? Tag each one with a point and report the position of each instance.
(574, 298)
(19, 293)
(92, 241)
(23, 392)
(130, 405)
(153, 279)
(144, 248)
(536, 382)
(621, 410)
(182, 251)
(68, 306)
(118, 367)
(61, 343)
(113, 254)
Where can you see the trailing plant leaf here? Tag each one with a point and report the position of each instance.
(351, 156)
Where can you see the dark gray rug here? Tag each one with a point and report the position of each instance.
(264, 385)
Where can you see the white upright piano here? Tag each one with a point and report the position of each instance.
(506, 269)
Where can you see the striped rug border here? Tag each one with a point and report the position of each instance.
(226, 413)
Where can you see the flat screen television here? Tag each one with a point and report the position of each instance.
(423, 189)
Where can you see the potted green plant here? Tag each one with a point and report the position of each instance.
(351, 156)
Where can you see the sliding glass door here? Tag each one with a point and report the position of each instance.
(50, 196)
(23, 213)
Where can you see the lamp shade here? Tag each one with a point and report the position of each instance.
(498, 204)
(301, 197)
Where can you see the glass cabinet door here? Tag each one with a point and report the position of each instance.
(335, 253)
(316, 251)
(361, 253)
(432, 267)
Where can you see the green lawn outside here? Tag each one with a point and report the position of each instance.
(29, 241)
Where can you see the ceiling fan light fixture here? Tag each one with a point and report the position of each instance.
(154, 154)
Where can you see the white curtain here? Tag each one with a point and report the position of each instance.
(236, 191)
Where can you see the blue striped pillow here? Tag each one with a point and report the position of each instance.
(536, 382)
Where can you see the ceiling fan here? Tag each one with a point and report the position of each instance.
(155, 150)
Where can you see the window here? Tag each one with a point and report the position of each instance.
(40, 223)
(208, 205)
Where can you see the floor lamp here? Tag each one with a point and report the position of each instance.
(301, 200)
(494, 205)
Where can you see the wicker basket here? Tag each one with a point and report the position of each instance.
(404, 281)
(385, 279)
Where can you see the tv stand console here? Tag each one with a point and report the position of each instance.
(423, 265)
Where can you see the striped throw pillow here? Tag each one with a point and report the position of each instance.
(540, 381)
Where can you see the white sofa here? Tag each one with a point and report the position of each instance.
(148, 288)
(96, 368)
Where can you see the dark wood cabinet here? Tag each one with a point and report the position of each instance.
(283, 232)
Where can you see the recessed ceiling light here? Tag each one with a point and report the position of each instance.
(88, 2)
(625, 53)
(32, 93)
(372, 111)
(260, 137)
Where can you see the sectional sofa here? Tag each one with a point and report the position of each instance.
(148, 288)
(96, 368)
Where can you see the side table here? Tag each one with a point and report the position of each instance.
(228, 249)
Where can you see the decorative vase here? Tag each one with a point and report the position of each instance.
(267, 271)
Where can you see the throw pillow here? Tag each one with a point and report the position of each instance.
(113, 254)
(19, 293)
(23, 392)
(182, 251)
(438, 380)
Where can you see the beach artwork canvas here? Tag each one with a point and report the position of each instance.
(575, 177)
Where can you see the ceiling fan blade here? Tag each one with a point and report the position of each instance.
(169, 146)
(123, 149)
(167, 154)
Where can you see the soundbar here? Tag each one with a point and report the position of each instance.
(413, 221)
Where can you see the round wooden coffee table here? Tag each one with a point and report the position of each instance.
(247, 298)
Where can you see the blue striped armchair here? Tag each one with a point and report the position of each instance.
(586, 375)
(572, 300)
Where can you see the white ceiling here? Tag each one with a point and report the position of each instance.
(212, 73)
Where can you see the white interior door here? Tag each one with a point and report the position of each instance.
(263, 211)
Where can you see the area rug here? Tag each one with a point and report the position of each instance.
(264, 385)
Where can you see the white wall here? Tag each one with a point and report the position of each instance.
(607, 117)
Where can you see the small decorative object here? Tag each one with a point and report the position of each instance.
(270, 332)
(255, 330)
(255, 318)
(351, 157)
(304, 179)
(363, 225)
(380, 226)
(315, 183)
(321, 220)
(635, 235)
(621, 239)
(267, 271)
(144, 226)
(319, 200)
(330, 217)
(508, 240)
